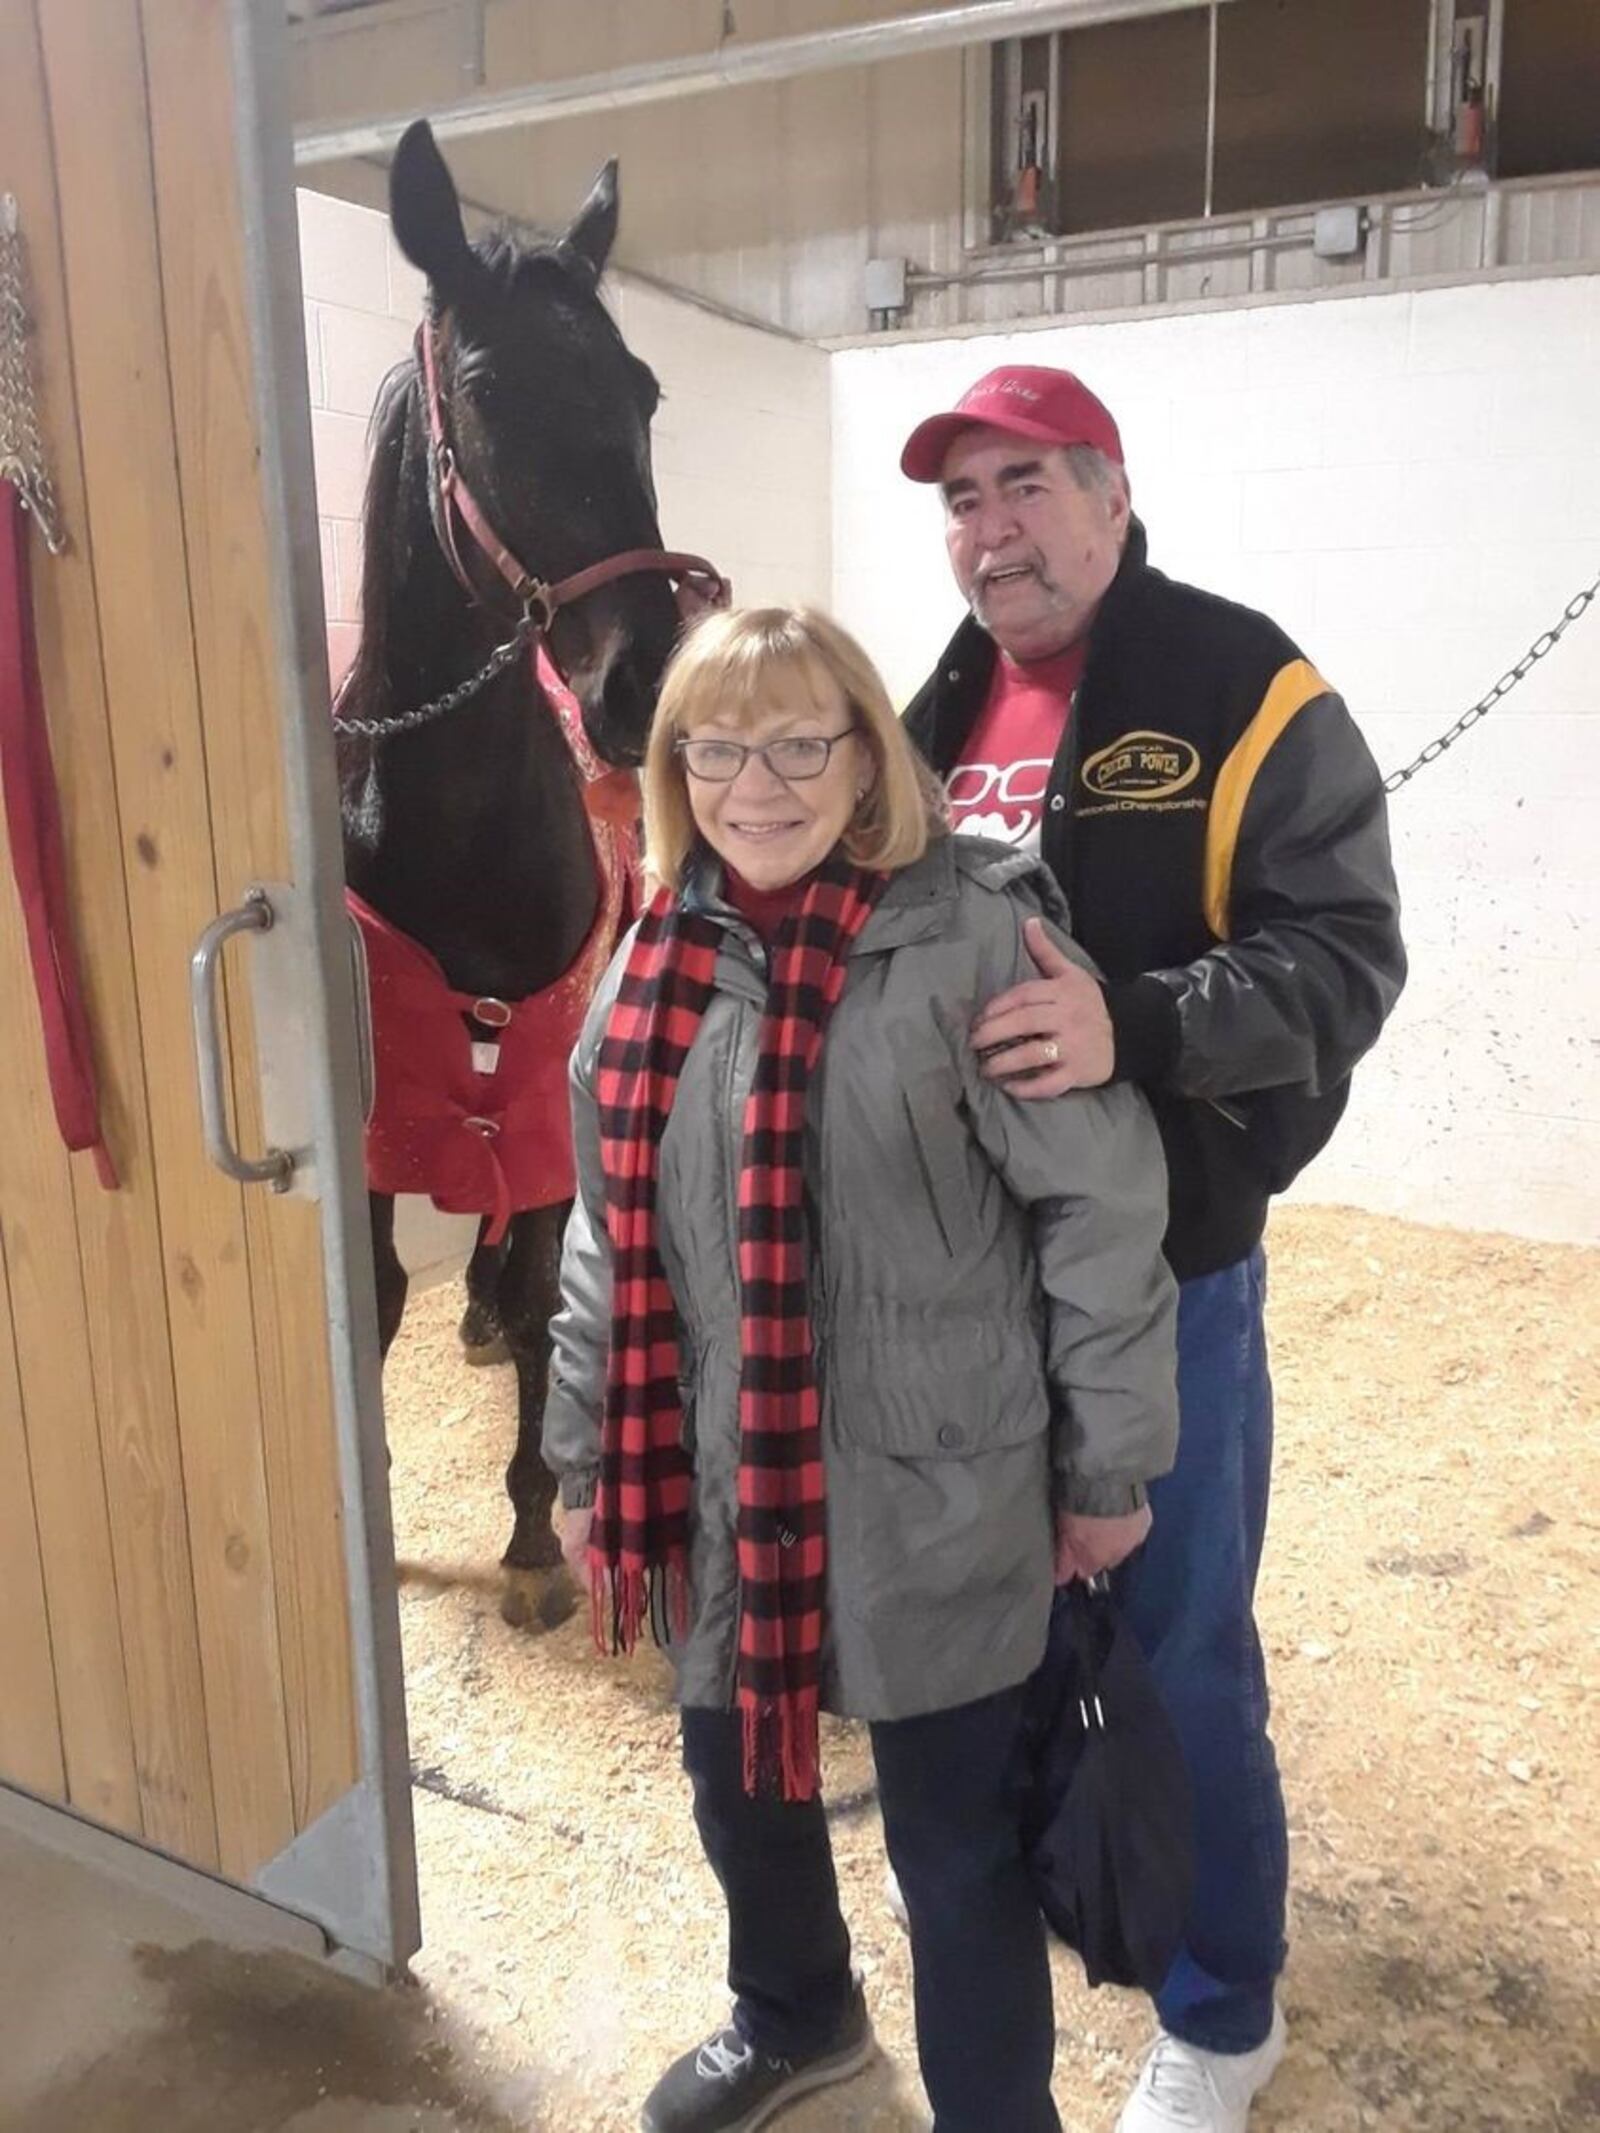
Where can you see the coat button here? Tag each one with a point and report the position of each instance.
(951, 1437)
(954, 674)
(1057, 802)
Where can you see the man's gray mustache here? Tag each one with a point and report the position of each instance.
(1034, 570)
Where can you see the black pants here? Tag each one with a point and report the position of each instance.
(949, 1785)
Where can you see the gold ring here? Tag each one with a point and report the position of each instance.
(1052, 1051)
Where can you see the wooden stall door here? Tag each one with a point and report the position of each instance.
(198, 1645)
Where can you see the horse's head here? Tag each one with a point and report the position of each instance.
(549, 422)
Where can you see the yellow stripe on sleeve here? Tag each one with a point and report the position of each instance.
(1292, 688)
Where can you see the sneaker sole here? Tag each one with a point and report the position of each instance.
(822, 2074)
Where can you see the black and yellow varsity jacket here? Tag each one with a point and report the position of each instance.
(1218, 826)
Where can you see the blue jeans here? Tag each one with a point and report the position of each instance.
(950, 1786)
(1189, 1597)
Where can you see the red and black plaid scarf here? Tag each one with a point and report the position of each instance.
(639, 1542)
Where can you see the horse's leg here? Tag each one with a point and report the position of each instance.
(482, 1336)
(392, 1279)
(529, 1294)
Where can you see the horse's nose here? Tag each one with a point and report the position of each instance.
(617, 690)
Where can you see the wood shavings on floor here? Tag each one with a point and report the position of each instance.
(1430, 1607)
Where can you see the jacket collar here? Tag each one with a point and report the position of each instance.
(1123, 591)
(916, 904)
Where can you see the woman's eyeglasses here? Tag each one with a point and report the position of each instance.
(794, 758)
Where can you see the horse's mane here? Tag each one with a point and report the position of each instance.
(383, 539)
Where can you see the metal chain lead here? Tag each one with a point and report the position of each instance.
(22, 461)
(1545, 643)
(379, 729)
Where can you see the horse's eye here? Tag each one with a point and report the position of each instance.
(478, 381)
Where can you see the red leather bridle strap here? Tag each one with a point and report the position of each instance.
(692, 570)
(453, 499)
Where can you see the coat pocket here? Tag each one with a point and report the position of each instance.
(954, 1392)
(940, 1138)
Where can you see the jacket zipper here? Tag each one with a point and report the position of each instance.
(734, 1112)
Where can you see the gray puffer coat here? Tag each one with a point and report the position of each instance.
(994, 1323)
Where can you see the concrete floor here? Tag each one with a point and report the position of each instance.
(121, 2012)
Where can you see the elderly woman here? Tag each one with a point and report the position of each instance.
(858, 1355)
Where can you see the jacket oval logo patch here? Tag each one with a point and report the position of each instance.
(1142, 766)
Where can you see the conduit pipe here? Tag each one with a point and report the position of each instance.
(1084, 267)
(730, 66)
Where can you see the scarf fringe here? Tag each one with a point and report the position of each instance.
(782, 1742)
(623, 1598)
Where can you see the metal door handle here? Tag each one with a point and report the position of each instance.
(276, 1167)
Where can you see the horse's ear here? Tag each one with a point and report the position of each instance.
(425, 213)
(594, 227)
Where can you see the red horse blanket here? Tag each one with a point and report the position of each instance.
(479, 1120)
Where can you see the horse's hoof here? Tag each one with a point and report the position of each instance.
(537, 1600)
(482, 1336)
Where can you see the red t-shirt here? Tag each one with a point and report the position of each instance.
(997, 789)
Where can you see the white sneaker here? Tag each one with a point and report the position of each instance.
(1182, 2087)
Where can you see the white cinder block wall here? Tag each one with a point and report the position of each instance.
(362, 305)
(1410, 484)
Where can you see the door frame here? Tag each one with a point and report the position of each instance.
(362, 1851)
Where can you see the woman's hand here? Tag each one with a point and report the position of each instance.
(1086, 1546)
(572, 1530)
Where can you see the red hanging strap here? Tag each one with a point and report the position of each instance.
(33, 823)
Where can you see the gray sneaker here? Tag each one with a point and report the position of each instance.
(727, 2086)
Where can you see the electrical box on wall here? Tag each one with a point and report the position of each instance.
(884, 287)
(1338, 232)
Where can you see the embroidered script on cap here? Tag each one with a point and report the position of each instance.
(1046, 406)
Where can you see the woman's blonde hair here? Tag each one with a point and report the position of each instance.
(721, 670)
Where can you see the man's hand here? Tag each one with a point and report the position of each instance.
(1055, 1028)
(1086, 1546)
(572, 1530)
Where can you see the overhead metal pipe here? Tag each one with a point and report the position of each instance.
(729, 67)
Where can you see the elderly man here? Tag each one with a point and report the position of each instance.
(1218, 825)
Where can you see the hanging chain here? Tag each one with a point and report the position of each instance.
(21, 449)
(1536, 651)
(379, 729)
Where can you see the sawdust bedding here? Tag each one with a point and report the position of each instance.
(1429, 1609)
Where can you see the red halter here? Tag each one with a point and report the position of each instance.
(538, 600)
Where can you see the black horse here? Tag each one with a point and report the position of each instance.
(467, 830)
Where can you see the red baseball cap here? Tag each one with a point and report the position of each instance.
(1048, 406)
